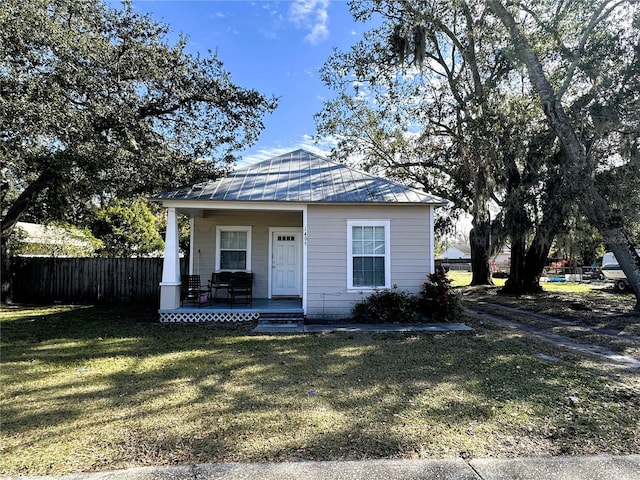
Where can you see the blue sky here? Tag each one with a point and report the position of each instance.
(275, 47)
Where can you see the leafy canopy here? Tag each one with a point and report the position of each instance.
(127, 228)
(439, 95)
(96, 103)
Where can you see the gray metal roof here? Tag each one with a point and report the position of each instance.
(301, 176)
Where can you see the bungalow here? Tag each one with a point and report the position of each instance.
(309, 230)
(38, 240)
(457, 251)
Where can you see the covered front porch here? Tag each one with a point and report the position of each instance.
(267, 243)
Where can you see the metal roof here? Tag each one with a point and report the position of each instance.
(301, 177)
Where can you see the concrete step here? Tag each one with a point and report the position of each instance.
(280, 322)
(281, 317)
(290, 327)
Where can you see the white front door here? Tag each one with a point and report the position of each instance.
(286, 263)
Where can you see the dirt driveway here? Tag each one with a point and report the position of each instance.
(596, 330)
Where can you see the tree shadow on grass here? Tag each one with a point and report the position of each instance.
(142, 393)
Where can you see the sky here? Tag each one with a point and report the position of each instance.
(274, 47)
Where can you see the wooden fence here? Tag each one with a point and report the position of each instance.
(87, 280)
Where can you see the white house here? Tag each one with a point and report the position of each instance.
(52, 241)
(502, 259)
(458, 251)
(312, 231)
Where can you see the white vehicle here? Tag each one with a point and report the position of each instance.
(611, 269)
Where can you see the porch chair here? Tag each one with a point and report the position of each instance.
(192, 292)
(219, 281)
(240, 288)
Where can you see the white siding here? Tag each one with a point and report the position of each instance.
(327, 293)
(204, 248)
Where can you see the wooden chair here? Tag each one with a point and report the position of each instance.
(192, 292)
(219, 281)
(240, 288)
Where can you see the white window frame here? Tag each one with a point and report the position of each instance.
(387, 252)
(232, 228)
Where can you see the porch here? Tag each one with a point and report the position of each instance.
(265, 309)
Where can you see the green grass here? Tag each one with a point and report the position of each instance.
(97, 388)
(461, 279)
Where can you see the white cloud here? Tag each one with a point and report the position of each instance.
(306, 142)
(319, 33)
(312, 15)
(301, 10)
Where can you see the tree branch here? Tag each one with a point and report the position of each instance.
(22, 203)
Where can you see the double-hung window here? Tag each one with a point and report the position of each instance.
(233, 248)
(368, 254)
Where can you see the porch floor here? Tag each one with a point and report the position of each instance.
(259, 305)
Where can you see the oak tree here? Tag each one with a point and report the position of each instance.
(595, 74)
(97, 103)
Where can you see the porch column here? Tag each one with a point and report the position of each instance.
(432, 240)
(170, 285)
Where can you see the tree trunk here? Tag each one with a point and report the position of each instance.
(479, 238)
(22, 203)
(517, 225)
(536, 258)
(9, 221)
(555, 213)
(534, 263)
(480, 235)
(594, 207)
(515, 284)
(5, 272)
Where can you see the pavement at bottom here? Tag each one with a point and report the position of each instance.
(599, 467)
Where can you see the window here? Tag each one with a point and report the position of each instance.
(233, 248)
(368, 254)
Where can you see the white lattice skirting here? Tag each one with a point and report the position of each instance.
(199, 317)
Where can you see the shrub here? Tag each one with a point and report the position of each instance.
(384, 306)
(438, 300)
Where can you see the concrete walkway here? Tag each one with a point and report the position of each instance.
(389, 327)
(361, 327)
(551, 468)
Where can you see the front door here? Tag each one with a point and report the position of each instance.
(286, 255)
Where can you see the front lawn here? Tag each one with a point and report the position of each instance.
(100, 388)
